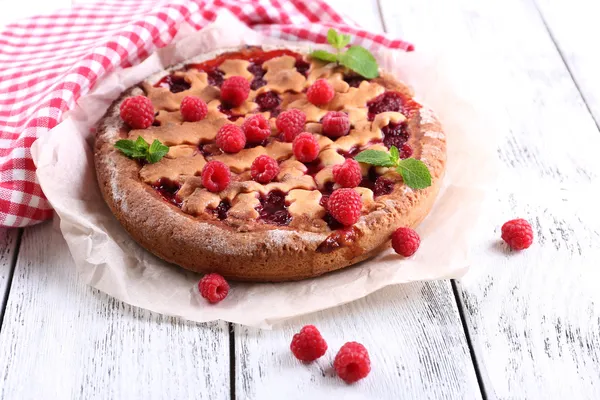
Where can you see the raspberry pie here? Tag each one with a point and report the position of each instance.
(259, 181)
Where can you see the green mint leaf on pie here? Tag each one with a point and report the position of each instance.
(375, 157)
(127, 147)
(395, 154)
(156, 151)
(344, 41)
(415, 173)
(141, 149)
(332, 37)
(361, 61)
(324, 55)
(337, 40)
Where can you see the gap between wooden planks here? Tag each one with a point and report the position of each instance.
(534, 317)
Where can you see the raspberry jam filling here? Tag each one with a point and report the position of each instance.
(353, 80)
(221, 211)
(210, 149)
(174, 83)
(168, 190)
(227, 111)
(341, 238)
(392, 101)
(395, 135)
(273, 210)
(268, 101)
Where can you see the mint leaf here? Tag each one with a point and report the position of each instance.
(344, 40)
(375, 157)
(361, 61)
(324, 55)
(332, 37)
(415, 173)
(141, 149)
(127, 147)
(395, 154)
(156, 151)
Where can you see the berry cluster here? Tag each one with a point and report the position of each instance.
(351, 363)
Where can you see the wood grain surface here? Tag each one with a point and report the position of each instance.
(533, 317)
(575, 30)
(412, 332)
(8, 246)
(63, 340)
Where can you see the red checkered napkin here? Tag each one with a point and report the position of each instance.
(48, 62)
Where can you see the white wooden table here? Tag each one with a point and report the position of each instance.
(519, 326)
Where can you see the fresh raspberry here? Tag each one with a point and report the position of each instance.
(405, 241)
(308, 345)
(235, 90)
(348, 174)
(345, 206)
(336, 124)
(305, 147)
(137, 112)
(230, 138)
(264, 169)
(290, 123)
(193, 109)
(320, 93)
(256, 128)
(517, 233)
(352, 362)
(216, 176)
(213, 287)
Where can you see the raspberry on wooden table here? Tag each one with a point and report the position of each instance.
(216, 176)
(517, 233)
(235, 90)
(290, 123)
(345, 206)
(230, 138)
(305, 147)
(193, 109)
(213, 287)
(348, 174)
(308, 344)
(256, 128)
(352, 362)
(137, 112)
(336, 124)
(320, 93)
(264, 169)
(405, 241)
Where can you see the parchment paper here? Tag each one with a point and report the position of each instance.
(109, 260)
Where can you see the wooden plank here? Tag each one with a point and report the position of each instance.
(413, 335)
(62, 339)
(533, 317)
(8, 246)
(418, 349)
(574, 27)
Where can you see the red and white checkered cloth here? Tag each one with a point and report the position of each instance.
(48, 62)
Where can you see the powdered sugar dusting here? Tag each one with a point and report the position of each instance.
(427, 116)
(434, 134)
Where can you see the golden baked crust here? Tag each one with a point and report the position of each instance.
(242, 247)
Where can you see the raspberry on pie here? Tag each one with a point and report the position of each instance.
(242, 191)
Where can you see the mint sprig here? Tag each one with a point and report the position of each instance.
(141, 149)
(356, 58)
(414, 172)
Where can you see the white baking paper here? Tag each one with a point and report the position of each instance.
(109, 260)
